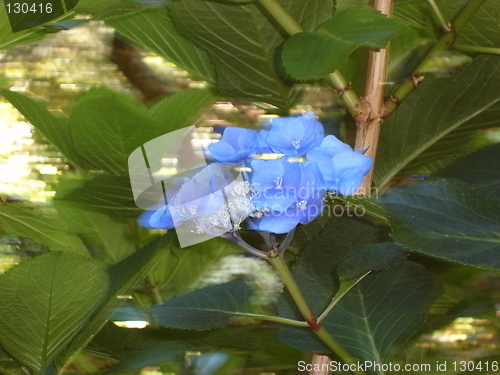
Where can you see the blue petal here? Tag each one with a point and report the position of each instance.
(274, 222)
(331, 146)
(274, 199)
(295, 136)
(158, 219)
(236, 145)
(265, 173)
(352, 161)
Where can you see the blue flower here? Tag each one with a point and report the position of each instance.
(295, 136)
(298, 199)
(276, 183)
(342, 168)
(202, 195)
(235, 146)
(277, 194)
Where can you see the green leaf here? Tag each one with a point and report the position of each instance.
(205, 308)
(244, 44)
(40, 227)
(359, 205)
(181, 269)
(311, 55)
(104, 9)
(98, 228)
(109, 193)
(55, 128)
(446, 220)
(432, 122)
(181, 109)
(107, 126)
(153, 29)
(314, 271)
(45, 301)
(123, 276)
(370, 257)
(479, 169)
(376, 315)
(10, 39)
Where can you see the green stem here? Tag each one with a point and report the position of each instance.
(445, 25)
(442, 44)
(477, 49)
(278, 262)
(291, 26)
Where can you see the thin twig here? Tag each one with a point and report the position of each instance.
(446, 41)
(445, 25)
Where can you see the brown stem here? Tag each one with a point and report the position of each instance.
(129, 60)
(370, 120)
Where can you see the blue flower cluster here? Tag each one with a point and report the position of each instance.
(286, 172)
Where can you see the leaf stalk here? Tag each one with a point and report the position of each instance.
(278, 262)
(291, 26)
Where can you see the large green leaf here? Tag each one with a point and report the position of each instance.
(432, 122)
(244, 43)
(153, 29)
(345, 247)
(446, 220)
(480, 169)
(107, 126)
(108, 193)
(45, 301)
(41, 227)
(315, 268)
(181, 109)
(99, 229)
(55, 128)
(205, 308)
(376, 315)
(311, 55)
(371, 257)
(123, 276)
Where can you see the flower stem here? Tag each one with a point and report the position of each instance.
(442, 44)
(338, 81)
(278, 262)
